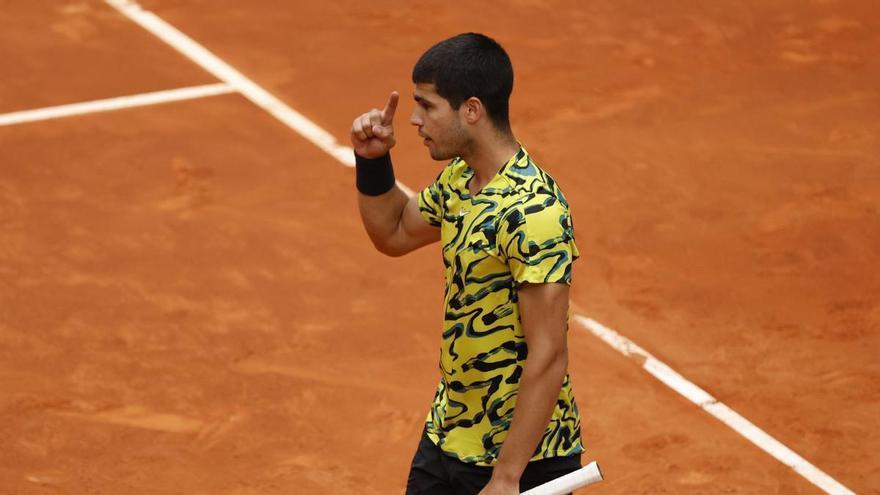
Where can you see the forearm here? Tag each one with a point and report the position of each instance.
(540, 383)
(381, 216)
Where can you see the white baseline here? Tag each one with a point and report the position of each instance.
(344, 154)
(117, 103)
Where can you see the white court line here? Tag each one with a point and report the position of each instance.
(712, 406)
(326, 142)
(118, 103)
(228, 74)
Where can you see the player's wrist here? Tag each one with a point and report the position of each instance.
(374, 176)
(506, 474)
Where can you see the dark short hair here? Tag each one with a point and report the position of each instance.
(466, 65)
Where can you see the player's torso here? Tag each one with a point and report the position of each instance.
(480, 300)
(483, 348)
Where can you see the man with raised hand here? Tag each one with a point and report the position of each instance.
(504, 418)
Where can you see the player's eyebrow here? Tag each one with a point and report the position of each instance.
(421, 100)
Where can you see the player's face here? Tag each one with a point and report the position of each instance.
(438, 123)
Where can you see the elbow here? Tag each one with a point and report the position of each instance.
(393, 253)
(388, 249)
(557, 369)
(549, 363)
(559, 366)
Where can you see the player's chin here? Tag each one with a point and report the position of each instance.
(440, 155)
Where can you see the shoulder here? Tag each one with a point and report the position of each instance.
(537, 212)
(532, 190)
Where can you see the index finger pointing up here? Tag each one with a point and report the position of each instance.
(390, 107)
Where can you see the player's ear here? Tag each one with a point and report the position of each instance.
(473, 110)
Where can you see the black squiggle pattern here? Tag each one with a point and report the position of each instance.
(518, 229)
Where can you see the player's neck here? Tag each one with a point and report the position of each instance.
(486, 157)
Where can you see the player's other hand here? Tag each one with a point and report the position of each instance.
(372, 134)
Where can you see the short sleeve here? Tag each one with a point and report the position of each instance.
(536, 239)
(431, 201)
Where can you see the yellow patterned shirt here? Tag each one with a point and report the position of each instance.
(517, 229)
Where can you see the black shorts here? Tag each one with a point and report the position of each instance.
(436, 473)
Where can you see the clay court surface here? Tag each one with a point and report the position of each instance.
(189, 304)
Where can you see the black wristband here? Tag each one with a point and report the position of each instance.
(374, 176)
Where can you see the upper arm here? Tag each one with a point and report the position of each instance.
(413, 230)
(420, 219)
(543, 310)
(413, 221)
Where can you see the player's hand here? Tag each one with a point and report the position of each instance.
(372, 134)
(498, 487)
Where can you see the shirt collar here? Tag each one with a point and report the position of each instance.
(514, 169)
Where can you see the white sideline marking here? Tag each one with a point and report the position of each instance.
(244, 85)
(344, 154)
(717, 409)
(118, 103)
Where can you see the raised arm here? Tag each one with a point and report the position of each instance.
(391, 218)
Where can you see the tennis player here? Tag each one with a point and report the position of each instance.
(504, 418)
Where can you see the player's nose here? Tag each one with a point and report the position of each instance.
(415, 119)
